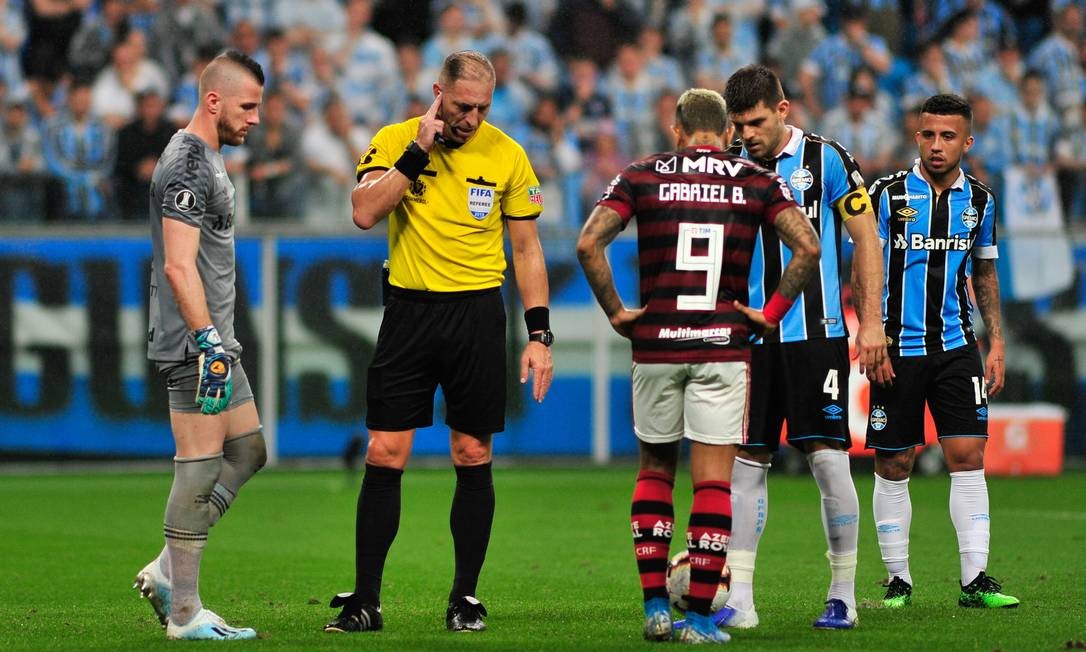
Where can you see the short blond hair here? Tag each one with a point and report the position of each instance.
(701, 109)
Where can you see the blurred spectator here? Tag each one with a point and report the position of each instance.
(485, 21)
(716, 63)
(130, 72)
(12, 37)
(186, 93)
(995, 24)
(139, 144)
(689, 29)
(324, 80)
(884, 106)
(885, 20)
(585, 106)
(825, 74)
(1033, 125)
(990, 154)
(552, 148)
(50, 26)
(308, 22)
(330, 148)
(20, 142)
(1071, 167)
(664, 135)
(246, 38)
(533, 57)
(79, 151)
(963, 50)
(416, 82)
(633, 95)
(180, 30)
(603, 162)
(451, 36)
(905, 152)
(91, 46)
(259, 14)
(999, 80)
(745, 17)
(369, 83)
(286, 69)
(276, 178)
(1059, 58)
(793, 43)
(142, 14)
(861, 131)
(932, 77)
(663, 69)
(512, 97)
(593, 29)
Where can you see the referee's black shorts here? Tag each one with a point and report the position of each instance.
(452, 339)
(804, 383)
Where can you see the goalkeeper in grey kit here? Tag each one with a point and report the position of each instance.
(216, 427)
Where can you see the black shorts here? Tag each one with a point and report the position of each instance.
(952, 383)
(452, 339)
(803, 383)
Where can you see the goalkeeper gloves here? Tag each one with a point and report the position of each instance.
(214, 385)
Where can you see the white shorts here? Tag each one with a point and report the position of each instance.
(706, 402)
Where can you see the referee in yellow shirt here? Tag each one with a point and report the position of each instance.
(451, 186)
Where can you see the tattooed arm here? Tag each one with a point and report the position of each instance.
(796, 232)
(600, 230)
(986, 290)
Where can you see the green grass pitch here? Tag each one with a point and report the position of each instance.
(560, 573)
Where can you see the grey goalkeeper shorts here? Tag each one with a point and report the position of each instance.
(181, 379)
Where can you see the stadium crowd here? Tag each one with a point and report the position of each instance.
(92, 89)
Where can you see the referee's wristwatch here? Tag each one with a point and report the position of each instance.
(545, 337)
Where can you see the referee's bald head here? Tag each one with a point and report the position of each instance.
(227, 69)
(469, 65)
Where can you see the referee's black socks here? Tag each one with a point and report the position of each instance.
(470, 519)
(376, 523)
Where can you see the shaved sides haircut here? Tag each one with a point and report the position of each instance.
(225, 67)
(701, 109)
(466, 64)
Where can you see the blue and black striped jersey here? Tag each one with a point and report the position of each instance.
(927, 242)
(826, 182)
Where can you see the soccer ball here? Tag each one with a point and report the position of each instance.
(678, 583)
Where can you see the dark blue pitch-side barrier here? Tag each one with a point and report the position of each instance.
(74, 379)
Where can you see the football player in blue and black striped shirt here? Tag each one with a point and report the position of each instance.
(799, 373)
(937, 225)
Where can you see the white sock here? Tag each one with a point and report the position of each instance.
(185, 580)
(969, 513)
(164, 561)
(893, 514)
(840, 520)
(750, 506)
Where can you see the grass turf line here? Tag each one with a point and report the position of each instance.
(560, 572)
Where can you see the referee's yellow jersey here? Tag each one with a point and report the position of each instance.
(447, 233)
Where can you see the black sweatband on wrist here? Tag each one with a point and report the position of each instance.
(537, 319)
(413, 161)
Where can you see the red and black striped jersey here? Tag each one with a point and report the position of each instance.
(698, 213)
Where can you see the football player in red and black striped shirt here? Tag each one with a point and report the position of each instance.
(698, 211)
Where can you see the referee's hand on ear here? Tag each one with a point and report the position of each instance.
(430, 126)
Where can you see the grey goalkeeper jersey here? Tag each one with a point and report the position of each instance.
(190, 185)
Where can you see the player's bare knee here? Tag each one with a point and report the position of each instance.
(387, 451)
(663, 458)
(967, 460)
(470, 450)
(894, 465)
